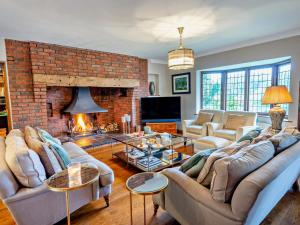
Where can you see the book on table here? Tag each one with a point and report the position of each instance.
(150, 162)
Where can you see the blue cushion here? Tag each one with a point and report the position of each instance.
(250, 135)
(194, 160)
(45, 136)
(55, 145)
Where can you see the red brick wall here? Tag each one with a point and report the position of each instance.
(29, 100)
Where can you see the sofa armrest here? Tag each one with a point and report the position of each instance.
(212, 127)
(196, 191)
(185, 124)
(243, 130)
(25, 193)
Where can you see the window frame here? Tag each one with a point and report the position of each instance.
(275, 71)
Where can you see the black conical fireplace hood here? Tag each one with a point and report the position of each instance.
(83, 103)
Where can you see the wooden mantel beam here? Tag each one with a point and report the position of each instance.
(80, 81)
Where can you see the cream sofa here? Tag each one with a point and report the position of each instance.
(217, 128)
(191, 130)
(39, 205)
(255, 196)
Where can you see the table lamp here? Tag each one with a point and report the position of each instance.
(277, 95)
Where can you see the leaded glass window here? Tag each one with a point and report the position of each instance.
(211, 90)
(284, 78)
(235, 94)
(260, 79)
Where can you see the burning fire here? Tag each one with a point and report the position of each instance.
(82, 123)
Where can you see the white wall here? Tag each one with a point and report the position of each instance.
(160, 69)
(2, 50)
(269, 50)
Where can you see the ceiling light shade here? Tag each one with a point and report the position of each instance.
(181, 58)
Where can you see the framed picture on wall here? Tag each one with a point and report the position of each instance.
(181, 83)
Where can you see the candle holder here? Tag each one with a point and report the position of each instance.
(124, 128)
(128, 120)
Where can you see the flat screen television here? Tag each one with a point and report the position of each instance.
(160, 109)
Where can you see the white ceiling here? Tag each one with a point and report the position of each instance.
(147, 28)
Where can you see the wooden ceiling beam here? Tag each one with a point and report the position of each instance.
(80, 81)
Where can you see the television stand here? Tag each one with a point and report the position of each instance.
(169, 127)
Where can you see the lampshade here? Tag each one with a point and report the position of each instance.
(277, 95)
(181, 58)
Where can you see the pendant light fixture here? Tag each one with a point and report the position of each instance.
(181, 58)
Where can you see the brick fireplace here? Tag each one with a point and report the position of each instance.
(42, 78)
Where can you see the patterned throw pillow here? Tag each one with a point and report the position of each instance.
(55, 145)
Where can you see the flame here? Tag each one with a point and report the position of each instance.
(80, 122)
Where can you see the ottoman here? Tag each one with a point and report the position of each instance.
(208, 142)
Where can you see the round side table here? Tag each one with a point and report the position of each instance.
(60, 182)
(147, 183)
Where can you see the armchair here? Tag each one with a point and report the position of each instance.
(219, 129)
(192, 130)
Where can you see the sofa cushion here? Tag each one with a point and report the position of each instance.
(206, 173)
(46, 137)
(47, 157)
(106, 174)
(230, 170)
(234, 121)
(282, 141)
(73, 150)
(55, 165)
(203, 117)
(196, 169)
(191, 162)
(227, 134)
(24, 162)
(251, 135)
(9, 185)
(55, 144)
(196, 129)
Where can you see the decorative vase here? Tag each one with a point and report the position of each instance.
(277, 115)
(152, 88)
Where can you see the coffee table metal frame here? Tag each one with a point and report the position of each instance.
(130, 144)
(67, 189)
(131, 191)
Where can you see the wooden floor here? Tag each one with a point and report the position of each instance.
(287, 211)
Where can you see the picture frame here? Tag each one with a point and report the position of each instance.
(181, 83)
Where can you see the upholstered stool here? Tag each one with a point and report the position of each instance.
(210, 142)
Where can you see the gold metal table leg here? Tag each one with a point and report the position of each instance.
(131, 222)
(144, 209)
(68, 207)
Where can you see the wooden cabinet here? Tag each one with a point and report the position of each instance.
(163, 127)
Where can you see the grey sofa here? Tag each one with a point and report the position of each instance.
(256, 195)
(40, 206)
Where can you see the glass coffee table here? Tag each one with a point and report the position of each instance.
(147, 183)
(152, 153)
